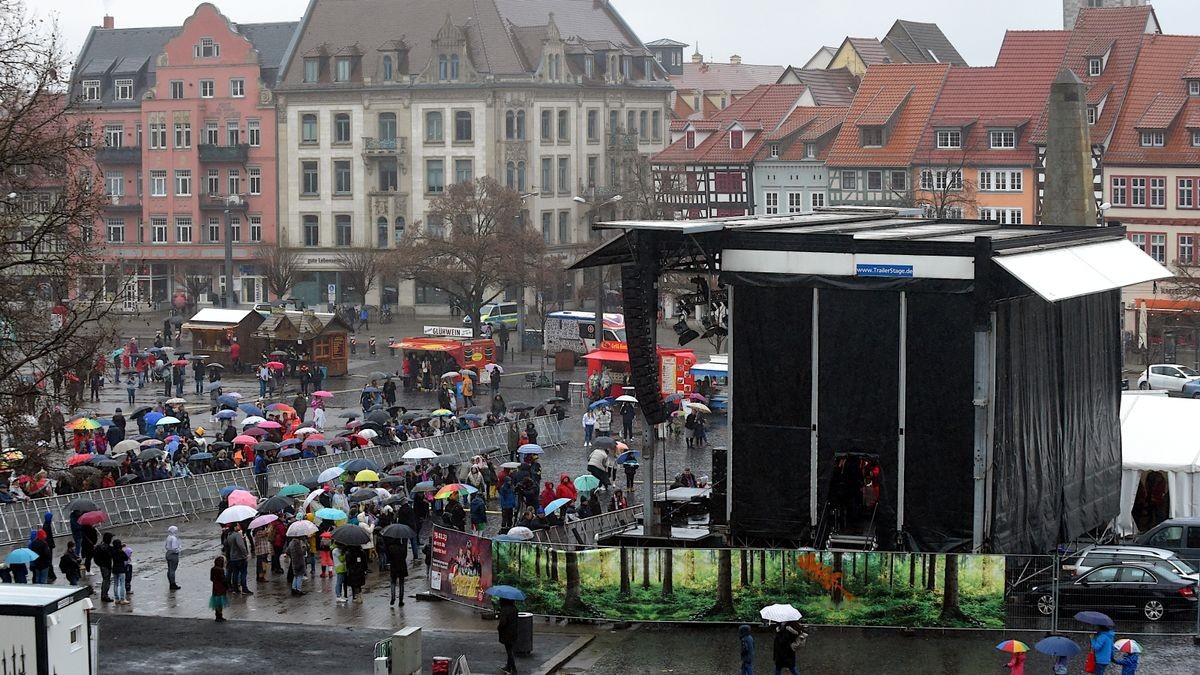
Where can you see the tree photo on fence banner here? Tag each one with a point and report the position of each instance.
(57, 291)
(481, 247)
(837, 588)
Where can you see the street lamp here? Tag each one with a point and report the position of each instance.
(594, 208)
(232, 203)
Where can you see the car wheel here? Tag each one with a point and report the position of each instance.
(1196, 395)
(1153, 610)
(1045, 604)
(1143, 386)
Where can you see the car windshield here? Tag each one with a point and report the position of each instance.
(1181, 564)
(1188, 371)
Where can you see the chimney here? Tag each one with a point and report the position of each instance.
(735, 60)
(1070, 197)
(109, 23)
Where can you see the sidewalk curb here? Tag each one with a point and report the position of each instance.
(565, 654)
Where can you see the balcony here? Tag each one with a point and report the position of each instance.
(375, 147)
(232, 154)
(216, 202)
(123, 155)
(622, 141)
(123, 204)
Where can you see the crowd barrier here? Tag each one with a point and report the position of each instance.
(586, 531)
(134, 504)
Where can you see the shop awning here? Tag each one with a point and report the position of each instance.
(426, 346)
(1073, 271)
(607, 355)
(711, 370)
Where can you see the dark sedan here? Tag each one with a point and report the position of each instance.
(1153, 592)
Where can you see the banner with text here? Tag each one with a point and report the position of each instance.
(461, 567)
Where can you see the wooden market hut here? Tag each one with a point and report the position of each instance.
(322, 339)
(214, 330)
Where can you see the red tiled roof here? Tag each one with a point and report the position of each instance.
(919, 84)
(1156, 88)
(1126, 28)
(682, 109)
(758, 112)
(1099, 47)
(829, 120)
(883, 106)
(1193, 70)
(806, 125)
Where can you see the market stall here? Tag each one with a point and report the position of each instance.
(1159, 453)
(320, 339)
(447, 353)
(611, 363)
(215, 330)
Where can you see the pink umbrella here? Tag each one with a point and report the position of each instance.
(93, 518)
(322, 394)
(270, 424)
(242, 497)
(263, 520)
(697, 397)
(243, 439)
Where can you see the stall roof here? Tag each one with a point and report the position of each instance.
(19, 595)
(304, 325)
(212, 318)
(607, 355)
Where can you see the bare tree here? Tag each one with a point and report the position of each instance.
(548, 278)
(360, 269)
(282, 268)
(942, 188)
(480, 248)
(195, 283)
(55, 295)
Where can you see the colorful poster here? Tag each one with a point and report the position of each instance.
(461, 568)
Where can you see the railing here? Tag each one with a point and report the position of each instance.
(385, 145)
(123, 204)
(586, 531)
(225, 153)
(622, 141)
(123, 155)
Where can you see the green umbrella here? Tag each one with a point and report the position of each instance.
(294, 490)
(587, 482)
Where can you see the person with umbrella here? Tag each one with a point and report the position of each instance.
(746, 642)
(1127, 653)
(1102, 647)
(297, 550)
(456, 517)
(508, 502)
(356, 571)
(507, 631)
(396, 551)
(787, 639)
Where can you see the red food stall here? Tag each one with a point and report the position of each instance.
(674, 368)
(465, 352)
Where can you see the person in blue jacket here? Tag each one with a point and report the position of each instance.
(1129, 662)
(747, 642)
(1102, 647)
(508, 503)
(478, 513)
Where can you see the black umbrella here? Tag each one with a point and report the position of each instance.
(220, 445)
(605, 442)
(361, 464)
(140, 412)
(84, 470)
(104, 463)
(279, 352)
(214, 365)
(351, 535)
(396, 408)
(149, 454)
(396, 500)
(311, 483)
(176, 320)
(556, 399)
(275, 504)
(398, 531)
(379, 417)
(363, 495)
(265, 445)
(519, 405)
(81, 505)
(410, 416)
(128, 478)
(380, 375)
(391, 480)
(476, 410)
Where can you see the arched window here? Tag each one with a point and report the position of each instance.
(443, 68)
(521, 177)
(399, 229)
(387, 68)
(382, 235)
(510, 175)
(520, 125)
(510, 125)
(454, 67)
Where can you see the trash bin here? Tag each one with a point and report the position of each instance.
(562, 388)
(564, 361)
(524, 645)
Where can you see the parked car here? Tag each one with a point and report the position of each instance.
(291, 305)
(1095, 556)
(496, 313)
(1148, 591)
(1168, 376)
(1191, 389)
(1181, 535)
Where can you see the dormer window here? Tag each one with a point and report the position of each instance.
(1193, 87)
(736, 139)
(124, 90)
(312, 69)
(1003, 139)
(950, 139)
(689, 140)
(810, 150)
(1153, 139)
(341, 66)
(774, 151)
(1093, 113)
(91, 90)
(872, 137)
(443, 68)
(207, 48)
(1095, 66)
(387, 69)
(588, 66)
(650, 68)
(454, 67)
(626, 66)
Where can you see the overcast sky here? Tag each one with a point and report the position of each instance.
(762, 31)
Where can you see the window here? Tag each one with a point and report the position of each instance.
(433, 126)
(342, 230)
(235, 228)
(1092, 113)
(614, 121)
(183, 134)
(341, 177)
(872, 137)
(510, 175)
(388, 175)
(564, 126)
(387, 126)
(1002, 216)
(1158, 193)
(207, 88)
(158, 131)
(874, 180)
(547, 226)
(115, 230)
(520, 124)
(1187, 249)
(235, 182)
(312, 69)
(183, 182)
(387, 68)
(564, 169)
(207, 48)
(1187, 196)
(435, 176)
(311, 178)
(341, 69)
(1137, 191)
(399, 229)
(341, 128)
(1153, 139)
(124, 90)
(736, 139)
(464, 171)
(462, 126)
(183, 229)
(308, 128)
(1095, 67)
(312, 231)
(849, 180)
(899, 181)
(91, 90)
(689, 140)
(114, 183)
(383, 234)
(114, 135)
(1117, 193)
(771, 203)
(158, 183)
(255, 228)
(177, 89)
(237, 88)
(593, 129)
(212, 135)
(213, 186)
(433, 225)
(948, 139)
(1138, 240)
(818, 200)
(589, 65)
(774, 151)
(1158, 247)
(521, 177)
(631, 122)
(233, 135)
(1002, 139)
(1193, 87)
(158, 229)
(593, 170)
(547, 175)
(214, 229)
(454, 67)
(547, 126)
(643, 126)
(443, 68)
(656, 125)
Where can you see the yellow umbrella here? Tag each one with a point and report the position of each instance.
(366, 476)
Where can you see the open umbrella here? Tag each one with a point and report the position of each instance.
(200, 456)
(606, 442)
(263, 446)
(80, 458)
(556, 399)
(177, 401)
(780, 613)
(361, 464)
(330, 474)
(398, 531)
(20, 556)
(494, 367)
(242, 497)
(587, 482)
(93, 518)
(362, 495)
(256, 432)
(229, 489)
(522, 533)
(125, 446)
(301, 528)
(600, 404)
(629, 456)
(215, 365)
(306, 430)
(1057, 645)
(226, 399)
(368, 434)
(454, 488)
(423, 486)
(510, 465)
(236, 514)
(140, 412)
(1094, 618)
(626, 398)
(1013, 646)
(275, 365)
(418, 453)
(441, 412)
(244, 439)
(275, 504)
(265, 519)
(290, 452)
(530, 449)
(519, 406)
(366, 476)
(293, 490)
(252, 410)
(102, 462)
(83, 424)
(213, 386)
(351, 535)
(699, 407)
(149, 454)
(694, 397)
(81, 505)
(505, 593)
(269, 424)
(557, 504)
(322, 394)
(1127, 646)
(151, 443)
(331, 514)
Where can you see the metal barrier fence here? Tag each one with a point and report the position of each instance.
(586, 531)
(134, 504)
(461, 445)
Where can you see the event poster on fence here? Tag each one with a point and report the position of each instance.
(461, 567)
(866, 589)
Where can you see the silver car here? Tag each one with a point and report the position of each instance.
(1095, 556)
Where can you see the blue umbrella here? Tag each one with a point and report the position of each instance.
(105, 423)
(331, 514)
(1094, 618)
(224, 492)
(556, 505)
(506, 537)
(226, 399)
(602, 402)
(290, 452)
(21, 556)
(1057, 645)
(290, 442)
(202, 455)
(227, 414)
(252, 410)
(151, 419)
(473, 418)
(314, 443)
(362, 464)
(530, 449)
(371, 390)
(213, 386)
(505, 593)
(629, 456)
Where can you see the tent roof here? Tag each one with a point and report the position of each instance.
(607, 355)
(1157, 433)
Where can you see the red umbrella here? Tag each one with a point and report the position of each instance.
(79, 459)
(243, 439)
(275, 365)
(93, 518)
(180, 362)
(255, 432)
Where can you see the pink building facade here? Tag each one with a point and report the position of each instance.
(184, 123)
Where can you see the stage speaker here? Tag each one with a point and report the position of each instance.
(640, 295)
(720, 486)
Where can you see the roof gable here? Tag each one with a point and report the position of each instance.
(878, 101)
(1157, 100)
(922, 43)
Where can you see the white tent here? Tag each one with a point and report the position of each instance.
(1159, 434)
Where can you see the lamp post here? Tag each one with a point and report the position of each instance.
(232, 203)
(593, 209)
